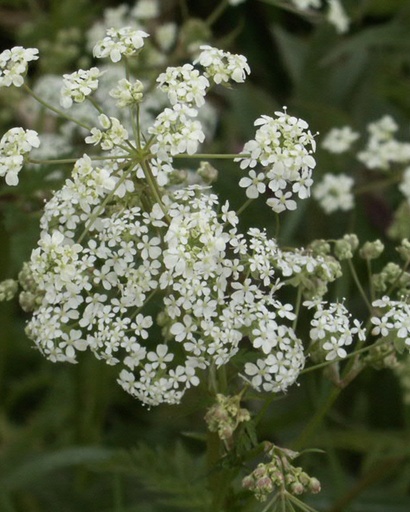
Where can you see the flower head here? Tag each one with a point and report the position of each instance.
(14, 145)
(283, 148)
(120, 42)
(78, 85)
(13, 65)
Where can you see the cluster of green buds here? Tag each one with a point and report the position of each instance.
(8, 289)
(345, 247)
(225, 416)
(279, 474)
(392, 275)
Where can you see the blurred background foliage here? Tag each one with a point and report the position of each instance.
(70, 439)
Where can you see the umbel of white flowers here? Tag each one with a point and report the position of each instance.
(158, 279)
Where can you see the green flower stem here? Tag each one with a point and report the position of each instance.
(54, 109)
(74, 160)
(297, 308)
(218, 478)
(302, 506)
(359, 285)
(272, 502)
(369, 278)
(217, 13)
(135, 119)
(211, 156)
(244, 206)
(95, 105)
(316, 420)
(377, 185)
(153, 185)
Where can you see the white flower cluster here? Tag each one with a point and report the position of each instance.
(78, 85)
(114, 133)
(120, 42)
(90, 294)
(176, 132)
(394, 318)
(283, 147)
(157, 280)
(184, 84)
(222, 66)
(127, 93)
(13, 65)
(334, 192)
(14, 145)
(339, 140)
(332, 330)
(382, 148)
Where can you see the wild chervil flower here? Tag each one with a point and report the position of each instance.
(334, 192)
(184, 84)
(127, 93)
(13, 65)
(118, 42)
(283, 149)
(382, 149)
(14, 145)
(339, 140)
(222, 66)
(78, 85)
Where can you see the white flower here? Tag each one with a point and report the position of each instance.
(339, 140)
(176, 132)
(14, 145)
(283, 147)
(114, 133)
(254, 184)
(382, 148)
(125, 41)
(334, 192)
(336, 15)
(259, 373)
(127, 93)
(160, 357)
(184, 84)
(222, 66)
(78, 85)
(281, 202)
(13, 65)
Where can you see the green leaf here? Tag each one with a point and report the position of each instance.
(293, 52)
(38, 467)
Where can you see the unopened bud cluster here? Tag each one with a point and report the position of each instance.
(279, 474)
(225, 416)
(8, 289)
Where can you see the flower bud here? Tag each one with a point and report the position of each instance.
(371, 250)
(314, 485)
(207, 172)
(345, 247)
